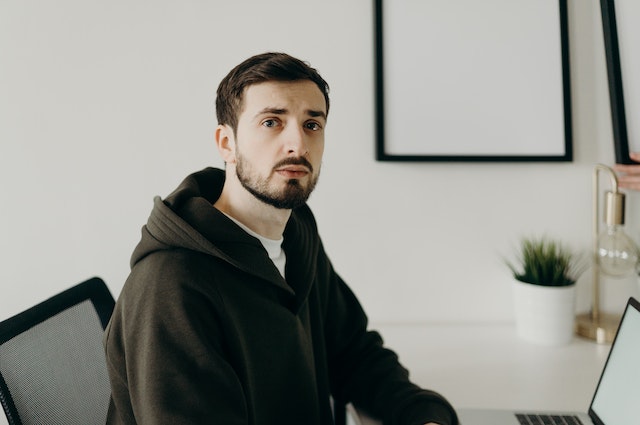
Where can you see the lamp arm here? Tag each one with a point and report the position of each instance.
(612, 176)
(595, 309)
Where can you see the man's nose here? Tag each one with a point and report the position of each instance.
(296, 141)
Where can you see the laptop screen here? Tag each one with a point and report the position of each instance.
(616, 400)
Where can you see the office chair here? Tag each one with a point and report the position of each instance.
(52, 362)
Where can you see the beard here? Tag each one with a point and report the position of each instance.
(293, 195)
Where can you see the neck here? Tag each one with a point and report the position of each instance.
(262, 218)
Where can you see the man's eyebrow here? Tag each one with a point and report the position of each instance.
(274, 111)
(282, 111)
(313, 113)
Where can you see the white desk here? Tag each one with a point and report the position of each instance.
(487, 366)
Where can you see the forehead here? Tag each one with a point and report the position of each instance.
(290, 95)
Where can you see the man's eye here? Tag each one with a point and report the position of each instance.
(313, 126)
(269, 123)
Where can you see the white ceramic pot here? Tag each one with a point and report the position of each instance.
(544, 314)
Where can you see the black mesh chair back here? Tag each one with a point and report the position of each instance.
(52, 362)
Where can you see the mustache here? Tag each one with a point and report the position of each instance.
(294, 161)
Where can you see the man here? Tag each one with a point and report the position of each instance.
(232, 313)
(629, 174)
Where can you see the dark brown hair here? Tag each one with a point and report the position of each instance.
(259, 69)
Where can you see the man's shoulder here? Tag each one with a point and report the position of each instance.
(170, 272)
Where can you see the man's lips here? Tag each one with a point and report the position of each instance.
(293, 171)
(293, 168)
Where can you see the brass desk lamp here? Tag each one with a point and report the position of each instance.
(614, 254)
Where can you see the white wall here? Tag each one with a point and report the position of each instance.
(104, 104)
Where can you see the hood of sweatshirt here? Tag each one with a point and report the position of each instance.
(186, 219)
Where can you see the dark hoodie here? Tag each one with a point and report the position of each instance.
(207, 331)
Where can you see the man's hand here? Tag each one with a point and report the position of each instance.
(629, 174)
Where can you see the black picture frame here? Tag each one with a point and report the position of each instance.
(559, 131)
(612, 39)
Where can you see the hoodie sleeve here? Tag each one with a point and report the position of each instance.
(161, 350)
(366, 373)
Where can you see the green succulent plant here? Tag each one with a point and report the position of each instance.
(546, 262)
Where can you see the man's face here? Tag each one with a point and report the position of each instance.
(280, 141)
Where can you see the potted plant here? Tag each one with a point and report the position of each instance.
(544, 290)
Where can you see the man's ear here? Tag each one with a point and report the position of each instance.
(226, 143)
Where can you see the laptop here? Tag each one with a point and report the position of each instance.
(617, 397)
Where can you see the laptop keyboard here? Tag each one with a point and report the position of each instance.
(532, 419)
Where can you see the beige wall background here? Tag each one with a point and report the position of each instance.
(104, 104)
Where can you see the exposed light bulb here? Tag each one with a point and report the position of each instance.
(617, 254)
(614, 254)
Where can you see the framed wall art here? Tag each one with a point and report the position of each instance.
(620, 28)
(468, 80)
